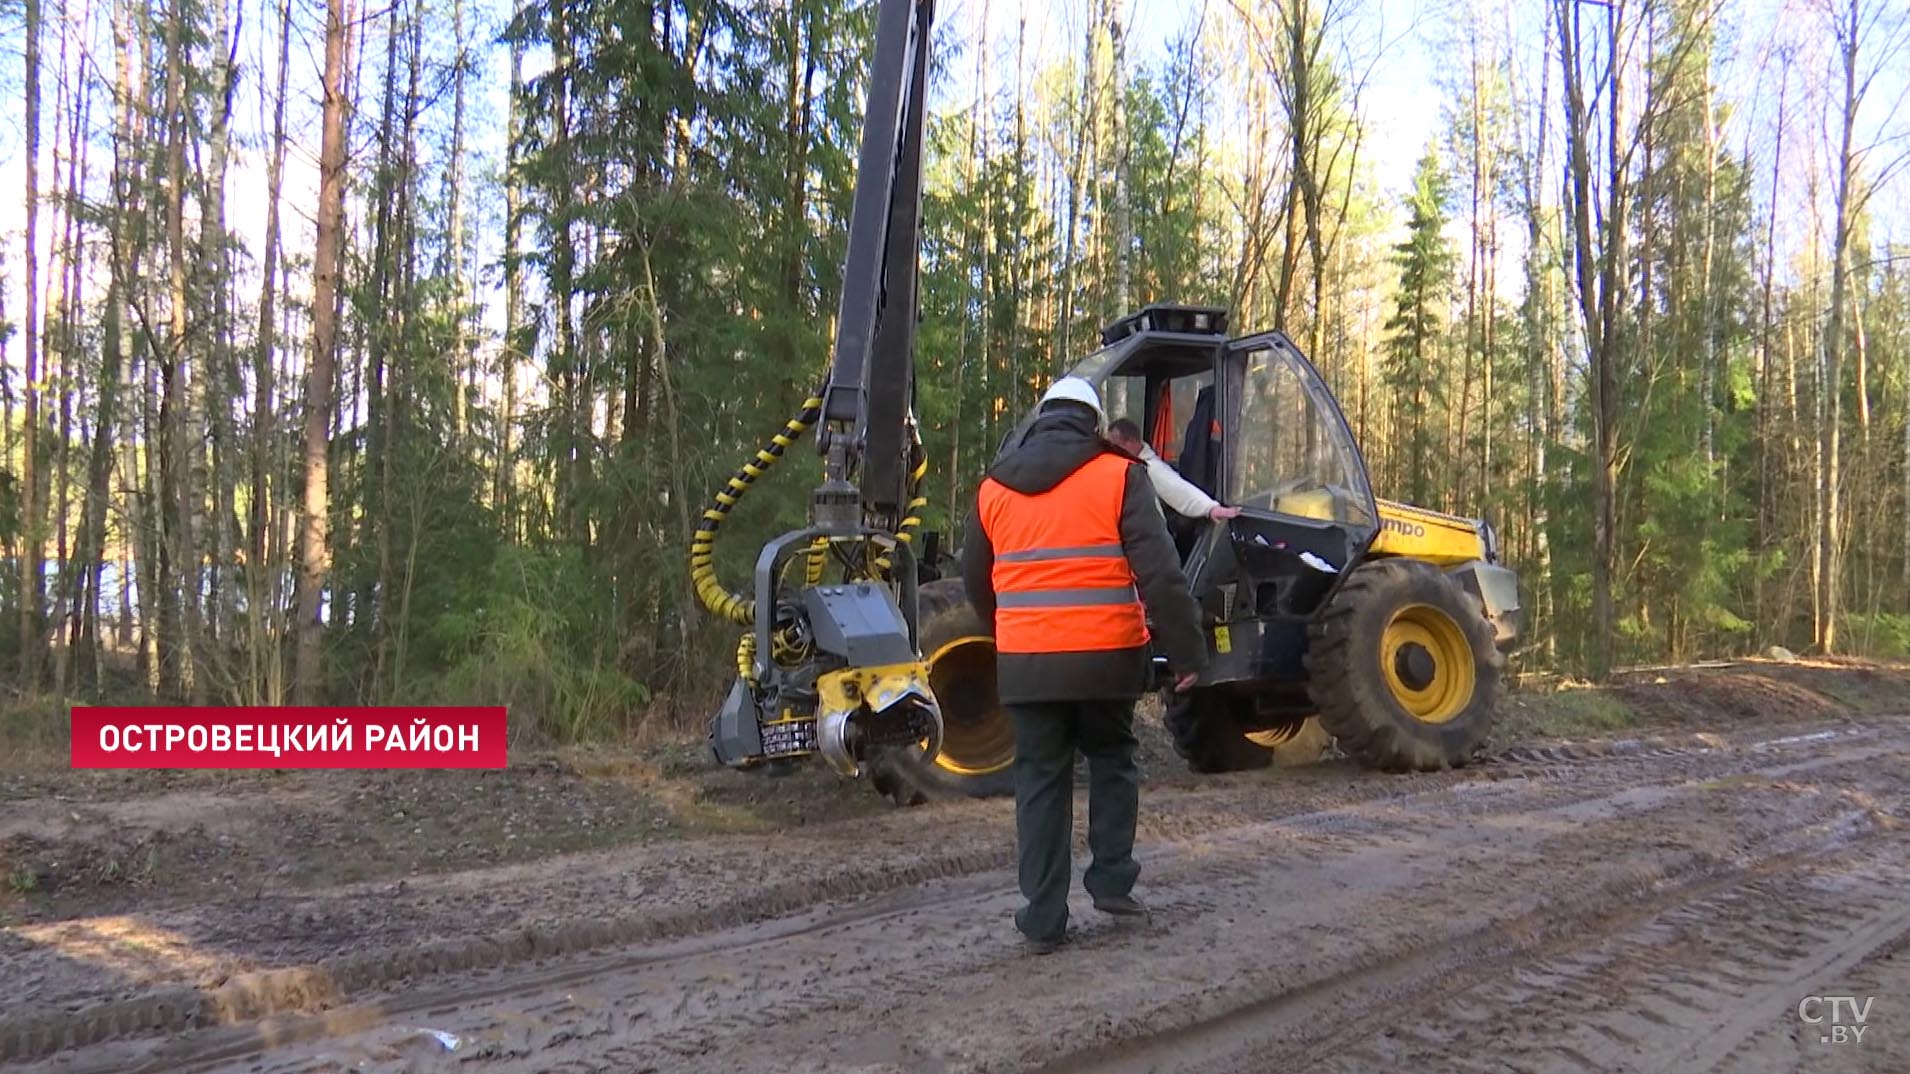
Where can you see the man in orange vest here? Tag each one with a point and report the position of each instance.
(1068, 556)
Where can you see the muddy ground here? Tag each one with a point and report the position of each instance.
(1646, 877)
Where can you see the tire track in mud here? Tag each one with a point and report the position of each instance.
(572, 919)
(1439, 930)
(254, 996)
(1266, 911)
(1679, 981)
(1685, 989)
(1787, 1044)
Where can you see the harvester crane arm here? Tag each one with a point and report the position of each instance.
(871, 382)
(834, 668)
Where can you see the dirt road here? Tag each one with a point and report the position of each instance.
(1628, 906)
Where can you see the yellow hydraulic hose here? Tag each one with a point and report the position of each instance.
(740, 609)
(912, 517)
(746, 656)
(720, 601)
(817, 559)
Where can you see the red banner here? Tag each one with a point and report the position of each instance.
(291, 737)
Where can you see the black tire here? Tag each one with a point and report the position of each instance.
(1215, 730)
(1206, 733)
(978, 742)
(1422, 709)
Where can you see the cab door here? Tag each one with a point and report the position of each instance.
(1288, 460)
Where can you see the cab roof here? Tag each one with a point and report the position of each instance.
(1179, 320)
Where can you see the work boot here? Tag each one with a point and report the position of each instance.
(1120, 906)
(1044, 946)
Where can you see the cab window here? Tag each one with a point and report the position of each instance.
(1290, 454)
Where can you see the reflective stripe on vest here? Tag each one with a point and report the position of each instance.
(1062, 581)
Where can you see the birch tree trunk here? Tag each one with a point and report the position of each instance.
(516, 344)
(1830, 433)
(220, 387)
(263, 648)
(32, 565)
(125, 183)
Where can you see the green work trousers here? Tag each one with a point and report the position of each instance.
(1047, 734)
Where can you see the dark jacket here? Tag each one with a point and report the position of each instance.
(1057, 445)
(1199, 448)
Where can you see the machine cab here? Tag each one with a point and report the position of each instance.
(1251, 422)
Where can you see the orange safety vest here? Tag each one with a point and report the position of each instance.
(1062, 582)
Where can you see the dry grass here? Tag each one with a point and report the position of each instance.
(34, 735)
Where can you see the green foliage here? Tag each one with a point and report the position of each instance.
(1689, 524)
(9, 508)
(534, 631)
(1580, 711)
(38, 726)
(22, 879)
(1883, 635)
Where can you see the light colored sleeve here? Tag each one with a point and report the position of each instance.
(1176, 491)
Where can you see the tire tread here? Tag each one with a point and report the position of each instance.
(1347, 684)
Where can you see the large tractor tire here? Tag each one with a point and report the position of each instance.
(978, 739)
(1206, 733)
(1215, 730)
(1403, 668)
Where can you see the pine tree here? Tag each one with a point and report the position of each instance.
(314, 544)
(1418, 324)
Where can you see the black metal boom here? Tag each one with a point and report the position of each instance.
(871, 381)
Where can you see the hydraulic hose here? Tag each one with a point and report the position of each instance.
(746, 657)
(816, 559)
(905, 531)
(735, 607)
(912, 516)
(740, 609)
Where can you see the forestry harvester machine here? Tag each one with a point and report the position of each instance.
(1329, 614)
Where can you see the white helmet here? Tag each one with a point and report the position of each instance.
(1076, 390)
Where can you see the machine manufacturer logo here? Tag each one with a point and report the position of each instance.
(1837, 1019)
(1402, 527)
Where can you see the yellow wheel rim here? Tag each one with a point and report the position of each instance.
(1274, 736)
(977, 738)
(1300, 743)
(1427, 663)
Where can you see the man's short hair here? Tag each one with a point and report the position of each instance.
(1125, 429)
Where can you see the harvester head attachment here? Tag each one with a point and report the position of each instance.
(863, 710)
